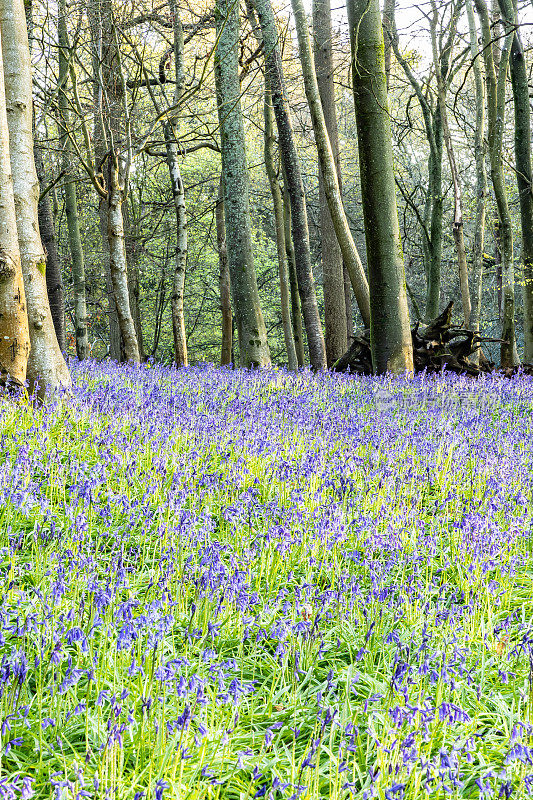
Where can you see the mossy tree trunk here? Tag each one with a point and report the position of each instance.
(253, 345)
(390, 332)
(46, 365)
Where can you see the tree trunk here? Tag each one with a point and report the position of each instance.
(54, 280)
(389, 330)
(327, 164)
(389, 13)
(71, 202)
(293, 177)
(131, 234)
(117, 260)
(481, 176)
(496, 83)
(178, 194)
(458, 225)
(226, 350)
(46, 365)
(14, 333)
(332, 264)
(253, 345)
(277, 202)
(296, 307)
(178, 285)
(524, 174)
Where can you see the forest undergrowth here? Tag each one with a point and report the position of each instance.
(225, 584)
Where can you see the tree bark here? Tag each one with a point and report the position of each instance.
(253, 345)
(54, 279)
(296, 307)
(389, 13)
(481, 176)
(496, 83)
(14, 333)
(46, 365)
(112, 149)
(524, 173)
(390, 332)
(458, 224)
(117, 259)
(178, 195)
(327, 165)
(277, 202)
(70, 194)
(293, 177)
(332, 263)
(226, 350)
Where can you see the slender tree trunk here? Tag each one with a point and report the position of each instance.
(277, 202)
(117, 260)
(46, 365)
(54, 279)
(296, 307)
(71, 201)
(178, 285)
(496, 83)
(178, 194)
(226, 350)
(327, 165)
(498, 267)
(293, 176)
(253, 345)
(458, 224)
(390, 332)
(524, 173)
(332, 264)
(14, 333)
(389, 13)
(481, 175)
(134, 289)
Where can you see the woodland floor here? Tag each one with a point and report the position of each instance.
(222, 585)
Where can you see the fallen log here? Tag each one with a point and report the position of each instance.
(437, 347)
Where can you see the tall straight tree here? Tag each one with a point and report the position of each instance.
(496, 78)
(327, 165)
(442, 85)
(335, 311)
(14, 333)
(70, 193)
(178, 195)
(253, 345)
(294, 182)
(277, 202)
(112, 147)
(481, 174)
(46, 365)
(390, 333)
(524, 173)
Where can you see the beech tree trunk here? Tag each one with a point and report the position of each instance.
(46, 365)
(117, 260)
(70, 194)
(178, 194)
(481, 176)
(332, 264)
(390, 331)
(226, 350)
(294, 182)
(524, 173)
(253, 345)
(296, 307)
(14, 333)
(328, 167)
(54, 279)
(277, 201)
(496, 83)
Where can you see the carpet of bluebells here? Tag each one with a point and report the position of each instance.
(220, 584)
